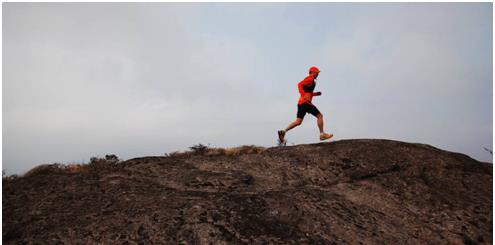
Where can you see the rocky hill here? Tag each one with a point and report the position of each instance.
(343, 192)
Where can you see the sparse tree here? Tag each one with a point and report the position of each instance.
(486, 149)
(199, 148)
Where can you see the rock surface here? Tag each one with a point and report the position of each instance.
(343, 192)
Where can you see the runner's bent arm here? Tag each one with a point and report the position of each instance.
(307, 96)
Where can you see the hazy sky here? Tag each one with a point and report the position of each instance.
(89, 79)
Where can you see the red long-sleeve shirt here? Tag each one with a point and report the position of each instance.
(306, 88)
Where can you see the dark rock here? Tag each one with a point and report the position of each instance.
(343, 192)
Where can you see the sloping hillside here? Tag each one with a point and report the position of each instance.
(343, 192)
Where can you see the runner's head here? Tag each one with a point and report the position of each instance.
(314, 71)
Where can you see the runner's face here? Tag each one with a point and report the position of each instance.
(315, 74)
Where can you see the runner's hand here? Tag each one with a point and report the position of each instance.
(317, 93)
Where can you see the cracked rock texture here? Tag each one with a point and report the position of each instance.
(342, 192)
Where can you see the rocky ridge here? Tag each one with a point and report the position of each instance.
(364, 191)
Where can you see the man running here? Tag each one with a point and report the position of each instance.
(304, 105)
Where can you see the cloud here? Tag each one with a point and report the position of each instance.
(129, 76)
(85, 79)
(414, 76)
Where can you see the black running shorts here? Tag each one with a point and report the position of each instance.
(306, 108)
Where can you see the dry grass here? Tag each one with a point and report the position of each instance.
(110, 161)
(76, 168)
(235, 151)
(217, 151)
(44, 169)
(95, 164)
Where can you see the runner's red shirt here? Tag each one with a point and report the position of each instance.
(306, 88)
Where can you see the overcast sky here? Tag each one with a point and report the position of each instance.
(89, 79)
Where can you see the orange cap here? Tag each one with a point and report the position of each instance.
(314, 69)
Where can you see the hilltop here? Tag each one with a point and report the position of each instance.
(344, 192)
